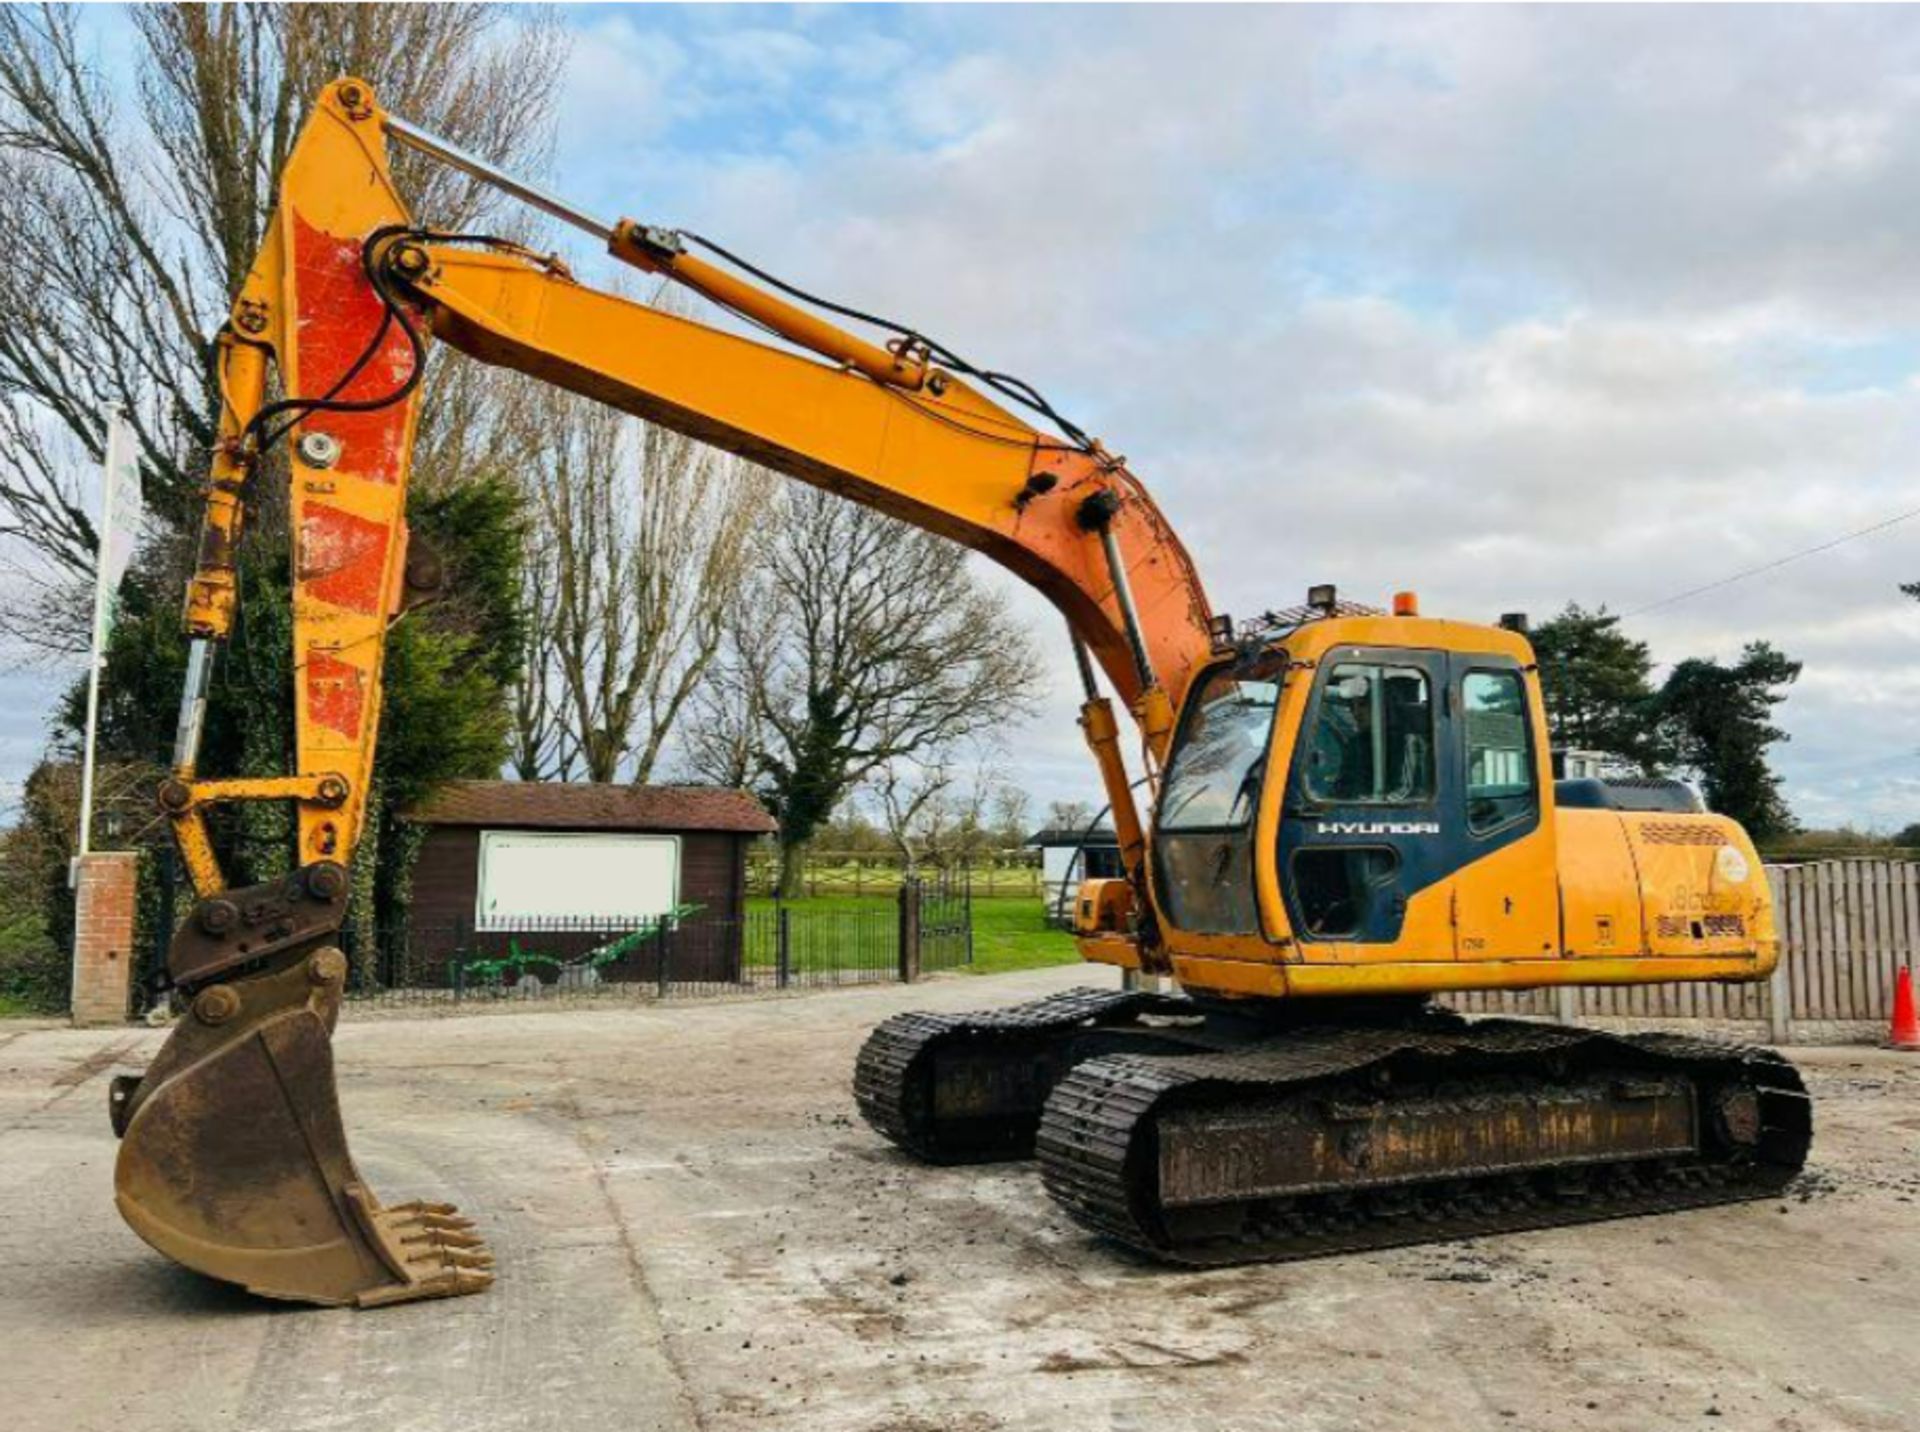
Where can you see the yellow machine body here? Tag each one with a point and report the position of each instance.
(1547, 896)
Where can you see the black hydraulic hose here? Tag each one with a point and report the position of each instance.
(1008, 386)
(331, 401)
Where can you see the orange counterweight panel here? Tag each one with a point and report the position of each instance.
(1599, 886)
(1704, 889)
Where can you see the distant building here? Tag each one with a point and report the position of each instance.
(563, 864)
(1068, 856)
(1572, 765)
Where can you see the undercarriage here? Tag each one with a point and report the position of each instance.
(1212, 1134)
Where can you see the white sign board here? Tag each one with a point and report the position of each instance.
(595, 877)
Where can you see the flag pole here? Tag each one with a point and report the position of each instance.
(115, 428)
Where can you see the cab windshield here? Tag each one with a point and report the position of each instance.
(1213, 780)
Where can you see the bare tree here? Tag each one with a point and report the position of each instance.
(1012, 808)
(913, 800)
(934, 815)
(540, 750)
(1075, 816)
(642, 543)
(881, 647)
(726, 728)
(130, 223)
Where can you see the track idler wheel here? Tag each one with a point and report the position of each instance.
(234, 1162)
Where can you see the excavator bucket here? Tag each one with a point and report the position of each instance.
(233, 1160)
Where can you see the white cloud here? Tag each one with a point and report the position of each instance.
(1512, 306)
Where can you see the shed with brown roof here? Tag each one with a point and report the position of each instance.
(565, 868)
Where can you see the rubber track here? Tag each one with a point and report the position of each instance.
(1099, 1112)
(892, 1076)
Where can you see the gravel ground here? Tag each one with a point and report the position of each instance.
(696, 1231)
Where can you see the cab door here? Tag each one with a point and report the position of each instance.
(1506, 892)
(1362, 841)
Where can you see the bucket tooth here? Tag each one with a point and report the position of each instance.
(427, 1257)
(234, 1161)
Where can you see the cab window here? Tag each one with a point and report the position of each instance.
(1500, 776)
(1372, 737)
(1213, 781)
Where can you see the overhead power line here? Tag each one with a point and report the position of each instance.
(1776, 563)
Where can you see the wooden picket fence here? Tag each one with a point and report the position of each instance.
(1846, 927)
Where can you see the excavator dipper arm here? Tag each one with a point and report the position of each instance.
(234, 1159)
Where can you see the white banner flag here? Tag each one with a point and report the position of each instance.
(122, 506)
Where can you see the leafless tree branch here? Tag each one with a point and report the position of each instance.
(131, 219)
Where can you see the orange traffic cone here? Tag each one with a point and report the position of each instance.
(1905, 1032)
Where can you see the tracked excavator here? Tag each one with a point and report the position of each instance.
(1340, 813)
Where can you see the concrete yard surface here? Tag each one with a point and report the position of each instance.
(695, 1230)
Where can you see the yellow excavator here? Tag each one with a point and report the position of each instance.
(1347, 813)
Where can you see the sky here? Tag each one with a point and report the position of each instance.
(1507, 306)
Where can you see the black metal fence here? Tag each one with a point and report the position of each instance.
(924, 928)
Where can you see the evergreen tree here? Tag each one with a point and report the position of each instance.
(1598, 687)
(1719, 720)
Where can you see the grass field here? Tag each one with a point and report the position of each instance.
(11, 1008)
(1012, 935)
(1008, 934)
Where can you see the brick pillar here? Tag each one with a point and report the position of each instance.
(103, 937)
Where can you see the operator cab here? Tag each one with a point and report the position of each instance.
(1405, 750)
